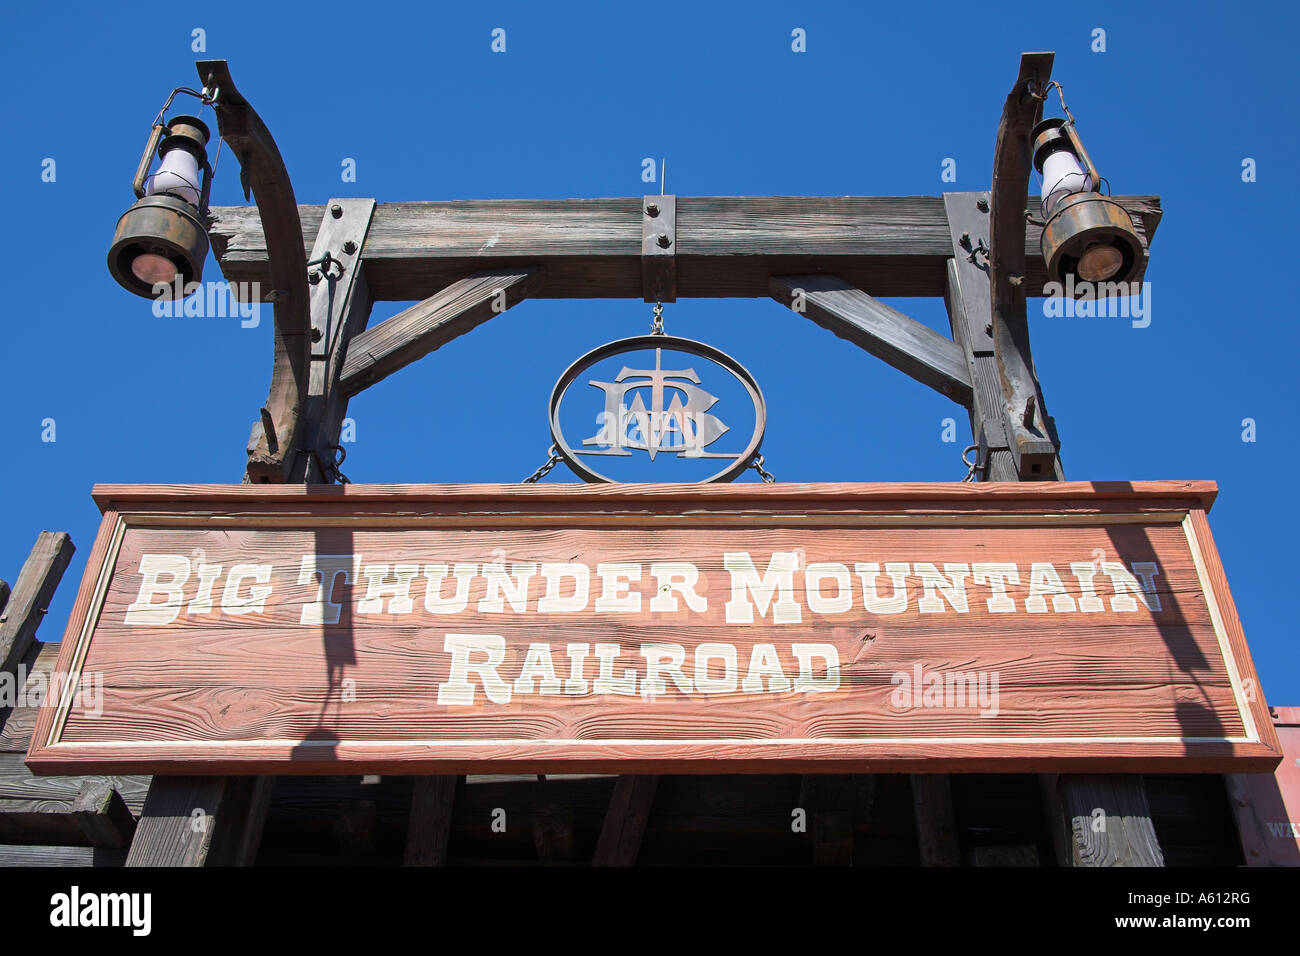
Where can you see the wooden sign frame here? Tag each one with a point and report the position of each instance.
(1106, 737)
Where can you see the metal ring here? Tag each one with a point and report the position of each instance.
(671, 343)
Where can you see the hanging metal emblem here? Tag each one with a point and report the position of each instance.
(663, 411)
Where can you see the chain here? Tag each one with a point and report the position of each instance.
(552, 459)
(757, 465)
(971, 466)
(657, 326)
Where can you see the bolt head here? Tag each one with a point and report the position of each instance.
(349, 247)
(664, 241)
(652, 209)
(336, 210)
(982, 205)
(314, 276)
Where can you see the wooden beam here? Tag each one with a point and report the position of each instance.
(102, 814)
(1030, 433)
(936, 821)
(340, 308)
(553, 834)
(886, 333)
(31, 596)
(201, 821)
(625, 821)
(429, 830)
(591, 248)
(413, 334)
(1100, 820)
(283, 276)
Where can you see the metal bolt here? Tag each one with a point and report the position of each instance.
(349, 247)
(316, 335)
(664, 241)
(982, 204)
(651, 209)
(314, 276)
(336, 211)
(988, 329)
(1015, 280)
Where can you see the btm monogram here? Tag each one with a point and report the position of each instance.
(682, 426)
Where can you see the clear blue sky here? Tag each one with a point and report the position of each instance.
(884, 93)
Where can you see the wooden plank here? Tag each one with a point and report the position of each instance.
(626, 820)
(591, 248)
(31, 596)
(18, 782)
(430, 827)
(102, 814)
(60, 856)
(886, 333)
(414, 333)
(200, 821)
(1101, 820)
(936, 821)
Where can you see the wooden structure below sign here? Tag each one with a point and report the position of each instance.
(644, 629)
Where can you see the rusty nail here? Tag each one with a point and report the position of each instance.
(336, 210)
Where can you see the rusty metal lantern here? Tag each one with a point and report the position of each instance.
(1087, 238)
(162, 237)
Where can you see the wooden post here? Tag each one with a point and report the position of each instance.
(31, 596)
(936, 822)
(429, 831)
(625, 821)
(1100, 820)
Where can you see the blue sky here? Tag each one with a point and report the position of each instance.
(884, 94)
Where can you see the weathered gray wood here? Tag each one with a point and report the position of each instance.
(936, 821)
(971, 316)
(200, 821)
(4, 593)
(31, 596)
(340, 307)
(625, 821)
(60, 856)
(591, 248)
(1100, 820)
(102, 814)
(886, 333)
(429, 829)
(283, 278)
(410, 335)
(19, 783)
(1030, 434)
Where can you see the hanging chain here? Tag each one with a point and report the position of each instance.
(552, 459)
(757, 465)
(971, 466)
(657, 326)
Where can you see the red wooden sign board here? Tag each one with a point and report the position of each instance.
(646, 628)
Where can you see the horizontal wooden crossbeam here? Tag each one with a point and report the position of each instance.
(591, 248)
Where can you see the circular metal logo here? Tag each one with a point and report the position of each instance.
(655, 403)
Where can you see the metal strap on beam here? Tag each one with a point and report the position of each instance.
(659, 248)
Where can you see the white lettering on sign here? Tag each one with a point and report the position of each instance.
(778, 594)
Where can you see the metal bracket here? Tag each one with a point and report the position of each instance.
(992, 437)
(659, 248)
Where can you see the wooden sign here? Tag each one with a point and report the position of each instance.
(645, 628)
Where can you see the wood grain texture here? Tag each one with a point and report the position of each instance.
(936, 821)
(1101, 821)
(212, 692)
(31, 596)
(591, 248)
(886, 333)
(625, 822)
(410, 335)
(429, 830)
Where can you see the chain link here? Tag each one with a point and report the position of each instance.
(552, 459)
(657, 326)
(757, 465)
(971, 466)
